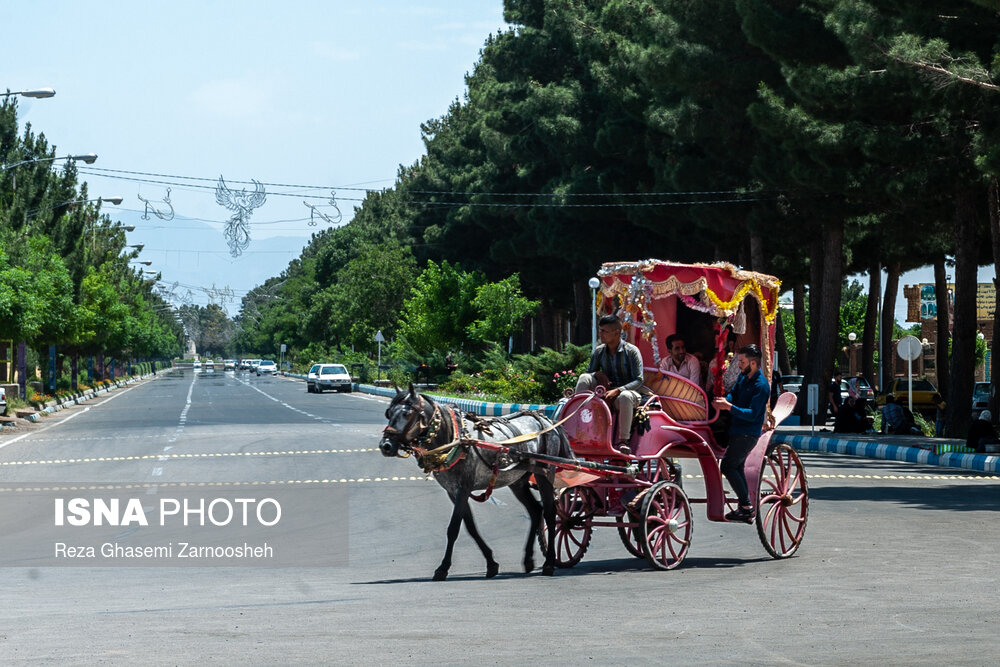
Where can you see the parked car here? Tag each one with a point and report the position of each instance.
(922, 392)
(331, 376)
(863, 388)
(3, 401)
(266, 367)
(792, 383)
(980, 398)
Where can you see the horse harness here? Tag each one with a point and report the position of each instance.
(418, 436)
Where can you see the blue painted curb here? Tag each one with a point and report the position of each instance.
(879, 450)
(477, 407)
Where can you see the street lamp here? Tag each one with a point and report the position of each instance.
(143, 262)
(594, 284)
(852, 336)
(35, 92)
(88, 158)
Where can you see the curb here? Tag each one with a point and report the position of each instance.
(881, 450)
(481, 408)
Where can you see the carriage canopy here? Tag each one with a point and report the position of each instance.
(702, 302)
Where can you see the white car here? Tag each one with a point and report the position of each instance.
(3, 401)
(328, 376)
(266, 367)
(229, 365)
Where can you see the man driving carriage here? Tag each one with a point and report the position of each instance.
(616, 365)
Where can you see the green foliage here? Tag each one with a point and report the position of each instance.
(502, 384)
(439, 309)
(501, 310)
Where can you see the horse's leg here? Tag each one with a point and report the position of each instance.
(548, 493)
(492, 567)
(457, 512)
(523, 494)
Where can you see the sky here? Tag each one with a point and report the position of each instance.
(327, 95)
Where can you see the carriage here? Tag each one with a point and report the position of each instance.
(647, 503)
(640, 492)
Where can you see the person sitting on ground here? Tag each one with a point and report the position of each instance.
(851, 418)
(894, 418)
(620, 363)
(982, 433)
(680, 362)
(747, 403)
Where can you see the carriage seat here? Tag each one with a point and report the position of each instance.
(680, 398)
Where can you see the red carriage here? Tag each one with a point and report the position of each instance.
(641, 493)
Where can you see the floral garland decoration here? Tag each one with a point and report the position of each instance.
(634, 300)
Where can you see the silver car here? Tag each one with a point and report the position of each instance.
(266, 367)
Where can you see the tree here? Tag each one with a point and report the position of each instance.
(501, 309)
(439, 309)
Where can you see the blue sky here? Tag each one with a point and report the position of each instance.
(327, 94)
(303, 93)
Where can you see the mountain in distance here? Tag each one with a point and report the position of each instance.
(195, 255)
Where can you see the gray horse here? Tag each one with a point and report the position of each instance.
(442, 440)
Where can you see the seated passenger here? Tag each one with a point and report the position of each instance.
(680, 362)
(621, 364)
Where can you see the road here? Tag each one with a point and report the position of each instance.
(899, 563)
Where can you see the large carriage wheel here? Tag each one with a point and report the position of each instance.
(574, 510)
(665, 525)
(784, 502)
(661, 470)
(630, 536)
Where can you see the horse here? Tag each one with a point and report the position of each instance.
(439, 437)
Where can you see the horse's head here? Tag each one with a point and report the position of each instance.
(409, 415)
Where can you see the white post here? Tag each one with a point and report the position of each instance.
(909, 382)
(594, 284)
(380, 360)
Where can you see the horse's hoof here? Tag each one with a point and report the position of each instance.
(440, 575)
(548, 570)
(529, 565)
(492, 569)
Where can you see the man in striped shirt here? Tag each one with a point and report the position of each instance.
(620, 363)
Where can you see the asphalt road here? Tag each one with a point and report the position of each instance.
(899, 563)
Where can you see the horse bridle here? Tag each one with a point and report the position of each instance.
(416, 429)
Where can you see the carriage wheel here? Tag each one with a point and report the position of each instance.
(630, 537)
(661, 470)
(784, 502)
(574, 509)
(665, 525)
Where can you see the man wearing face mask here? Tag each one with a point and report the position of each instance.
(747, 403)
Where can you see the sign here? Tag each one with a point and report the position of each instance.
(909, 348)
(284, 348)
(812, 396)
(379, 338)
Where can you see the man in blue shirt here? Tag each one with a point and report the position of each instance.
(621, 365)
(747, 403)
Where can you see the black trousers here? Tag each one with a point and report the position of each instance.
(732, 465)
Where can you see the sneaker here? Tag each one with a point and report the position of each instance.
(742, 515)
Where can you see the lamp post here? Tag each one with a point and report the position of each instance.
(88, 158)
(594, 284)
(34, 92)
(144, 262)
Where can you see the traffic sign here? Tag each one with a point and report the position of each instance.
(909, 348)
(379, 338)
